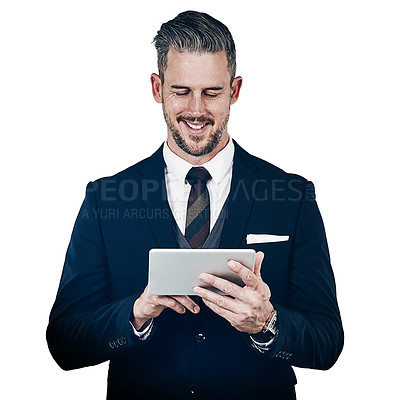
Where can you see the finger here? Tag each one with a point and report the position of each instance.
(226, 314)
(188, 303)
(224, 285)
(259, 256)
(221, 301)
(171, 303)
(247, 276)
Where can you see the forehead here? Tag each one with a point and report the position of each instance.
(196, 69)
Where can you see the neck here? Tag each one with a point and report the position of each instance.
(197, 160)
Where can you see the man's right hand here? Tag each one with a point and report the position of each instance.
(149, 306)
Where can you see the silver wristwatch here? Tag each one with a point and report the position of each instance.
(269, 330)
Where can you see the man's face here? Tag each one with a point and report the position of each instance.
(196, 97)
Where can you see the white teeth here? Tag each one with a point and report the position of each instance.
(196, 127)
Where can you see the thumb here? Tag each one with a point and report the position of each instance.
(259, 256)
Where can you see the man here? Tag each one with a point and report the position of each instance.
(200, 189)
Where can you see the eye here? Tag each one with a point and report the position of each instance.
(182, 93)
(211, 95)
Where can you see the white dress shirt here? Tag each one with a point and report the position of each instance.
(220, 167)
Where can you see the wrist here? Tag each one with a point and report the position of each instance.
(269, 329)
(267, 321)
(141, 326)
(138, 321)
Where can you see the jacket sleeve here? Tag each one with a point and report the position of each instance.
(310, 329)
(86, 327)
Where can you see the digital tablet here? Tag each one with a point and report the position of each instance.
(176, 271)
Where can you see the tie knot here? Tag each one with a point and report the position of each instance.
(198, 174)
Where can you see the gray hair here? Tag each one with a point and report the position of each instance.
(194, 32)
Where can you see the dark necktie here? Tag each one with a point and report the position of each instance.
(198, 209)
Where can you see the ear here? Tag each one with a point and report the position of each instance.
(235, 89)
(156, 85)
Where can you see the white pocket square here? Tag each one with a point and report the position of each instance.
(253, 238)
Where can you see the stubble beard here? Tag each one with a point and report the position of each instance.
(196, 151)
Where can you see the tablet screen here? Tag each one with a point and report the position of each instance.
(176, 271)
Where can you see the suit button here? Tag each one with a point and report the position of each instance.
(200, 337)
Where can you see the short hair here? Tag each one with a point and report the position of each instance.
(197, 32)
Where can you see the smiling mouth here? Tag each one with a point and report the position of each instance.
(195, 127)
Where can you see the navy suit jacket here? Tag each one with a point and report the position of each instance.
(106, 269)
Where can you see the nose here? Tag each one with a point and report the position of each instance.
(196, 105)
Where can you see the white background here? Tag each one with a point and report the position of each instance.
(320, 98)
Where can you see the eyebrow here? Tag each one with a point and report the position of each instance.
(187, 88)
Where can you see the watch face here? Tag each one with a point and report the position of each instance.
(272, 324)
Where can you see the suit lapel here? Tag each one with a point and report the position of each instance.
(155, 200)
(240, 200)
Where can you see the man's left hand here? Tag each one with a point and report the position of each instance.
(246, 308)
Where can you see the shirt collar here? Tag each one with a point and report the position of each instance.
(218, 166)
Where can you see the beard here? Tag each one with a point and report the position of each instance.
(196, 149)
